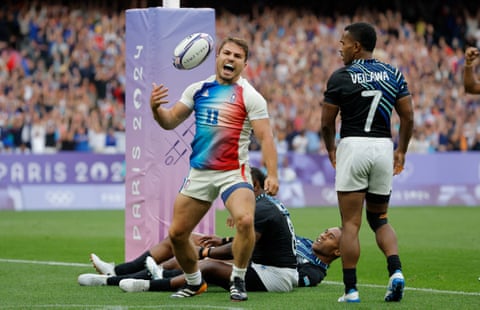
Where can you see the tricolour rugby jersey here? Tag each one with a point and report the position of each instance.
(222, 119)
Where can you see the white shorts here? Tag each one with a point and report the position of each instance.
(364, 163)
(276, 279)
(206, 185)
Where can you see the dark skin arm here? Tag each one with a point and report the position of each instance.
(404, 109)
(329, 116)
(470, 81)
(223, 252)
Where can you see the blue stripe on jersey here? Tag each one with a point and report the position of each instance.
(304, 250)
(383, 77)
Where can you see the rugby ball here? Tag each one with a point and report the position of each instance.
(192, 51)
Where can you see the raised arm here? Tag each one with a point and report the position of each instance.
(167, 118)
(470, 81)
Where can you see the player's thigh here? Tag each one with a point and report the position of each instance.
(351, 206)
(352, 165)
(381, 173)
(171, 264)
(187, 213)
(201, 184)
(236, 191)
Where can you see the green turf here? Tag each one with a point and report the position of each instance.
(439, 247)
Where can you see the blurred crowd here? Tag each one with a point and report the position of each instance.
(62, 79)
(62, 74)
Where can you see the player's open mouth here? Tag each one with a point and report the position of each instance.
(228, 67)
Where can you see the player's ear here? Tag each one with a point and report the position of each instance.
(256, 186)
(357, 46)
(337, 252)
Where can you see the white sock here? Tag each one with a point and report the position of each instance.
(238, 272)
(194, 278)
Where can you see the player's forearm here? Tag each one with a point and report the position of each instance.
(270, 157)
(470, 82)
(163, 118)
(223, 252)
(328, 136)
(405, 133)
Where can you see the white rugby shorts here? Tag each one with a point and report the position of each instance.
(364, 162)
(206, 185)
(276, 279)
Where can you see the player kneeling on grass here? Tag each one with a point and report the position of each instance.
(273, 261)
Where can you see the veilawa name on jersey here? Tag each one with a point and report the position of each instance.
(366, 77)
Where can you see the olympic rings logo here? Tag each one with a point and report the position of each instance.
(60, 198)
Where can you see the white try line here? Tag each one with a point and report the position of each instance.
(427, 290)
(117, 307)
(23, 261)
(407, 288)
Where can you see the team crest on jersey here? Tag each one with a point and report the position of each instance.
(232, 98)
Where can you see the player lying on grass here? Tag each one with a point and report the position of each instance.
(313, 260)
(312, 257)
(311, 270)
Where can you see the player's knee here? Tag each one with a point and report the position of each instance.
(376, 220)
(244, 223)
(177, 236)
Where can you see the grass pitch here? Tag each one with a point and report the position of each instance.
(42, 253)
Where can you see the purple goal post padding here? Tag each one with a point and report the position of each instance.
(157, 160)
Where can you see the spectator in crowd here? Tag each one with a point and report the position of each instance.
(292, 193)
(47, 57)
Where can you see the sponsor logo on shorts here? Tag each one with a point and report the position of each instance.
(186, 184)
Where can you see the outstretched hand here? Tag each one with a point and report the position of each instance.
(210, 240)
(157, 97)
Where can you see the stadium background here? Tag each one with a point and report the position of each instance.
(62, 86)
(43, 252)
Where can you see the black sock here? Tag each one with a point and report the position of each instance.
(393, 264)
(160, 285)
(170, 273)
(143, 274)
(350, 279)
(133, 266)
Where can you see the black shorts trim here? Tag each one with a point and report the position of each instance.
(253, 283)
